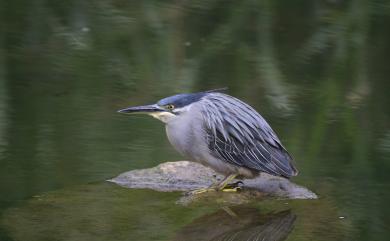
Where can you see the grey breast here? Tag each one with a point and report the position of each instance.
(186, 134)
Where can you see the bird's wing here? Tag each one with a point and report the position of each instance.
(239, 135)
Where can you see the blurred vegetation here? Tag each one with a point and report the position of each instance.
(317, 70)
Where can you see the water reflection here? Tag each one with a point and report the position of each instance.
(103, 211)
(239, 223)
(317, 70)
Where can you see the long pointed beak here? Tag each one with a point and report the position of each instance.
(144, 109)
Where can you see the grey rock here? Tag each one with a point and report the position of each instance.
(187, 176)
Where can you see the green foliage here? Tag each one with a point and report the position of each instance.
(317, 70)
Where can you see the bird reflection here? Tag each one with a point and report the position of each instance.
(239, 223)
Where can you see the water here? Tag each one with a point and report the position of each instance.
(316, 70)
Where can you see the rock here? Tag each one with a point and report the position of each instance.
(186, 176)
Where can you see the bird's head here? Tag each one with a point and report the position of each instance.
(169, 108)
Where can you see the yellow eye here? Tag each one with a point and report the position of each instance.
(170, 107)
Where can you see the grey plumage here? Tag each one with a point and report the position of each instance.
(241, 136)
(222, 132)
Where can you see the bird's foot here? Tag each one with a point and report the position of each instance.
(230, 187)
(200, 191)
(233, 187)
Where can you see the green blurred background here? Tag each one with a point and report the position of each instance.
(318, 71)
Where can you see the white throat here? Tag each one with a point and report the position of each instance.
(163, 116)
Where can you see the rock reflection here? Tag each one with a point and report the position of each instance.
(239, 223)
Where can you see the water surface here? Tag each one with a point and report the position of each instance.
(316, 70)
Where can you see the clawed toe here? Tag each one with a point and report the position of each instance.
(231, 187)
(235, 185)
(200, 191)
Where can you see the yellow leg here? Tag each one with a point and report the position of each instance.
(201, 190)
(226, 181)
(221, 186)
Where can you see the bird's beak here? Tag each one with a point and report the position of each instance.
(144, 109)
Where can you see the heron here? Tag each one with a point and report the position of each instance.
(221, 132)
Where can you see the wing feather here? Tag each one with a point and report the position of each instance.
(240, 136)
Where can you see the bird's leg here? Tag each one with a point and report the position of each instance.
(220, 186)
(224, 184)
(201, 190)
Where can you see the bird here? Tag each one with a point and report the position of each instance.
(221, 132)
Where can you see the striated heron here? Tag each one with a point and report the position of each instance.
(221, 132)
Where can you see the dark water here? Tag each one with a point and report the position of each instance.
(318, 71)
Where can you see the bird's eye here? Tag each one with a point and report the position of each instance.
(170, 107)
